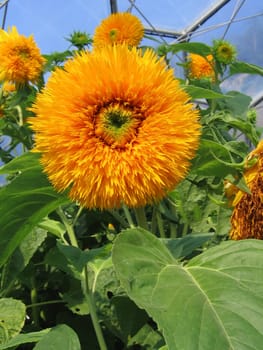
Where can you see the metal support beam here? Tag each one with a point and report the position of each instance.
(162, 32)
(208, 14)
(113, 6)
(4, 4)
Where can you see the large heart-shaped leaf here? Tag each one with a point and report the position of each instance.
(213, 302)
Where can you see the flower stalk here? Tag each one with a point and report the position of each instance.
(85, 285)
(141, 217)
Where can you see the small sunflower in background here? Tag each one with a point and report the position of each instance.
(8, 87)
(224, 52)
(20, 58)
(247, 216)
(119, 28)
(200, 67)
(80, 39)
(125, 134)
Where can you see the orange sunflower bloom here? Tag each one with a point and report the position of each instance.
(8, 87)
(20, 58)
(247, 216)
(200, 67)
(125, 134)
(119, 28)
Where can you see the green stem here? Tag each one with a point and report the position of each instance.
(77, 215)
(43, 303)
(185, 229)
(128, 216)
(154, 220)
(35, 309)
(92, 309)
(85, 286)
(141, 217)
(160, 224)
(119, 218)
(69, 227)
(173, 227)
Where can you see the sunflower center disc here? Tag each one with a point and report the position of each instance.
(116, 125)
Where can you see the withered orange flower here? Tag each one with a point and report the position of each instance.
(114, 127)
(119, 28)
(200, 67)
(247, 216)
(20, 58)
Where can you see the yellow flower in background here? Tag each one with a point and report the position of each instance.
(119, 28)
(224, 52)
(114, 127)
(20, 58)
(247, 216)
(200, 67)
(8, 87)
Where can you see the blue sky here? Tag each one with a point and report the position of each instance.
(51, 21)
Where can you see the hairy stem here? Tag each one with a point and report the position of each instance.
(69, 227)
(92, 309)
(128, 216)
(141, 217)
(85, 285)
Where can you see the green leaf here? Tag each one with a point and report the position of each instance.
(193, 47)
(198, 92)
(182, 247)
(213, 302)
(148, 338)
(214, 159)
(24, 162)
(55, 257)
(12, 318)
(237, 103)
(244, 126)
(243, 67)
(25, 201)
(75, 298)
(22, 256)
(59, 337)
(223, 225)
(19, 339)
(240, 148)
(53, 226)
(127, 326)
(76, 259)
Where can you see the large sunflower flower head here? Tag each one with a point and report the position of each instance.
(125, 134)
(20, 58)
(247, 216)
(200, 67)
(119, 28)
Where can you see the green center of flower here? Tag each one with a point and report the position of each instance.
(113, 34)
(116, 125)
(23, 52)
(225, 51)
(117, 120)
